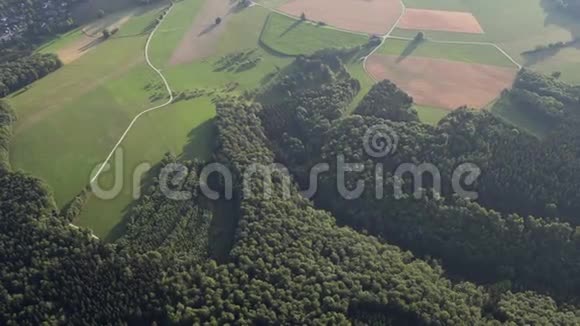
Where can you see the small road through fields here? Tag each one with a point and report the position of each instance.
(124, 135)
(383, 39)
(167, 87)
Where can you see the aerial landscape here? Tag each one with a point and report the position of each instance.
(365, 162)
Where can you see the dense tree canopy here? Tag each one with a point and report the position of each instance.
(7, 117)
(385, 100)
(544, 97)
(19, 73)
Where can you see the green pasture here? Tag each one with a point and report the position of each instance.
(271, 3)
(69, 120)
(430, 115)
(183, 128)
(241, 35)
(173, 29)
(470, 53)
(293, 37)
(441, 35)
(454, 5)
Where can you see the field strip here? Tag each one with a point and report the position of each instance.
(168, 88)
(383, 40)
(311, 21)
(510, 58)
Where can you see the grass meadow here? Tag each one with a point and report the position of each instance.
(69, 121)
(293, 37)
(483, 54)
(183, 128)
(271, 3)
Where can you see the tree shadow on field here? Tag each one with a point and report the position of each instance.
(291, 27)
(537, 57)
(208, 29)
(409, 49)
(199, 140)
(92, 44)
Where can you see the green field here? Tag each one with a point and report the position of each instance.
(470, 53)
(293, 37)
(93, 100)
(430, 115)
(271, 3)
(183, 128)
(68, 121)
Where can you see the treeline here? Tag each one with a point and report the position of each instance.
(544, 97)
(171, 226)
(319, 83)
(7, 118)
(19, 73)
(385, 100)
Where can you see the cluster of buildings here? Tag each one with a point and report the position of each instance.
(46, 13)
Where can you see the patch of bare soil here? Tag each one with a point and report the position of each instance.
(440, 20)
(203, 36)
(366, 16)
(92, 33)
(443, 83)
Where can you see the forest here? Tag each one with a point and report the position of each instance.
(544, 97)
(19, 73)
(509, 257)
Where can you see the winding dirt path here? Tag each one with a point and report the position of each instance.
(167, 87)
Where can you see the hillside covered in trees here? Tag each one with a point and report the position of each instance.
(510, 257)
